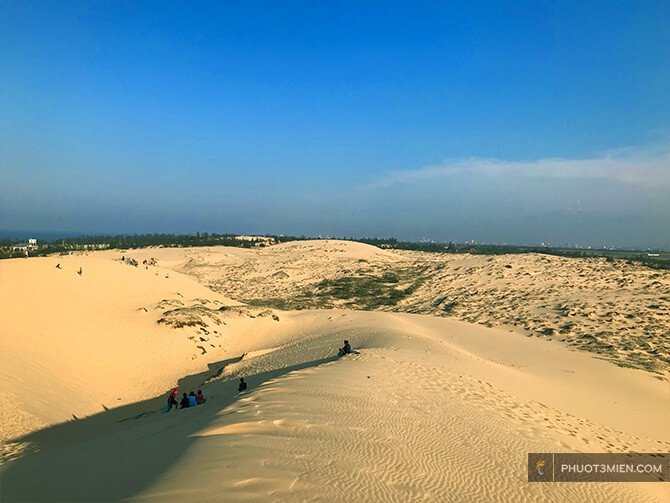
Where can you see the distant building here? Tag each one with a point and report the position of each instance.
(26, 247)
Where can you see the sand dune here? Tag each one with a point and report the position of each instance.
(429, 409)
(614, 309)
(75, 344)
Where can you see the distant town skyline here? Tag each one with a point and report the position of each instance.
(25, 238)
(523, 122)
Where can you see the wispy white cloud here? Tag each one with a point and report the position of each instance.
(648, 168)
(620, 197)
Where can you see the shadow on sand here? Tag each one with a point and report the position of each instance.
(115, 454)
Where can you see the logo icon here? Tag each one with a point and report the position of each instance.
(540, 467)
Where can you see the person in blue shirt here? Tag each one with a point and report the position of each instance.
(192, 400)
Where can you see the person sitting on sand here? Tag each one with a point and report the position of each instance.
(184, 402)
(172, 399)
(58, 266)
(346, 349)
(242, 386)
(192, 400)
(80, 271)
(200, 398)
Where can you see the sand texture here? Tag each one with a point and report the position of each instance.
(428, 408)
(615, 309)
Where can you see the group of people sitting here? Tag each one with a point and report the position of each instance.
(190, 400)
(193, 399)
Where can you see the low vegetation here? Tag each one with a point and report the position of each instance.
(368, 292)
(192, 316)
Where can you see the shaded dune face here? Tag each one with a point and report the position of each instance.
(426, 409)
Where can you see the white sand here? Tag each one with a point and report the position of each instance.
(430, 409)
(615, 309)
(72, 344)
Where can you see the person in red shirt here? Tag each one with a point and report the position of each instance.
(172, 399)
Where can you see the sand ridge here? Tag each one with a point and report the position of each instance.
(617, 310)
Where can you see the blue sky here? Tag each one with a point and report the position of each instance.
(493, 121)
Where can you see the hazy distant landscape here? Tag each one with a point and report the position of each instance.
(655, 258)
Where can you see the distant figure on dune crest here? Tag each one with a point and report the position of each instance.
(172, 399)
(346, 349)
(200, 398)
(58, 266)
(192, 400)
(80, 271)
(184, 402)
(242, 386)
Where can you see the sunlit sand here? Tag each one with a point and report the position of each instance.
(427, 408)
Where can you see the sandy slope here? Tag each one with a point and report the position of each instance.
(615, 309)
(74, 344)
(430, 409)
